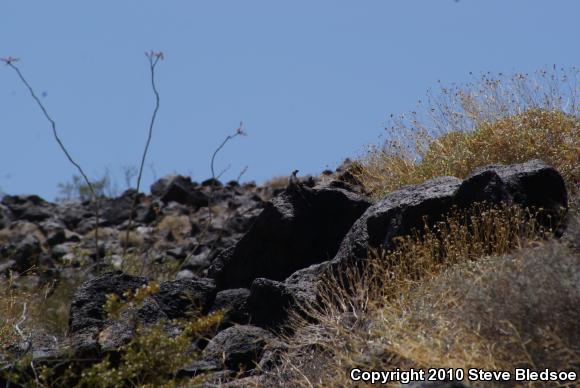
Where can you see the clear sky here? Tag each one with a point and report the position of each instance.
(314, 81)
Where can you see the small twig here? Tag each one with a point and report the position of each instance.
(222, 172)
(20, 322)
(154, 58)
(25, 339)
(238, 132)
(10, 62)
(244, 170)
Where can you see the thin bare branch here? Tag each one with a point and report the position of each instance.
(238, 132)
(10, 62)
(154, 58)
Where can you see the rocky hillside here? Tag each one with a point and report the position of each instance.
(247, 253)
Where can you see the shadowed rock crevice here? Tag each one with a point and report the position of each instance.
(298, 228)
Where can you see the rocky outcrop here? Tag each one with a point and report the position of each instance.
(185, 297)
(91, 327)
(28, 208)
(254, 259)
(238, 348)
(305, 233)
(531, 184)
(233, 303)
(181, 190)
(298, 228)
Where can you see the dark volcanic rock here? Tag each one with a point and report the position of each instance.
(270, 300)
(87, 310)
(115, 211)
(267, 302)
(88, 317)
(534, 184)
(233, 302)
(400, 212)
(29, 207)
(239, 347)
(179, 189)
(184, 297)
(71, 213)
(298, 228)
(26, 254)
(147, 212)
(531, 184)
(93, 330)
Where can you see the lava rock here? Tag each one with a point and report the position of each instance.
(72, 213)
(27, 207)
(115, 211)
(179, 189)
(185, 297)
(233, 302)
(87, 311)
(530, 184)
(267, 303)
(239, 347)
(537, 185)
(296, 229)
(26, 254)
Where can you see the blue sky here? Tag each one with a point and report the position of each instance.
(313, 81)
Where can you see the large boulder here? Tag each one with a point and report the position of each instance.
(72, 213)
(115, 211)
(298, 228)
(88, 317)
(87, 306)
(267, 303)
(239, 347)
(179, 189)
(185, 297)
(233, 303)
(531, 184)
(28, 207)
(26, 254)
(92, 329)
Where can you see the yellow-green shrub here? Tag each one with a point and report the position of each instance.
(551, 136)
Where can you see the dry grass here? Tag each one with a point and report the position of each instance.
(179, 226)
(27, 310)
(277, 182)
(494, 120)
(450, 299)
(551, 136)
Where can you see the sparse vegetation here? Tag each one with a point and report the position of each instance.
(486, 287)
(151, 358)
(450, 299)
(77, 190)
(499, 119)
(454, 296)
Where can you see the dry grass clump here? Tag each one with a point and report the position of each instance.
(277, 182)
(11, 307)
(152, 358)
(494, 120)
(178, 226)
(429, 303)
(27, 310)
